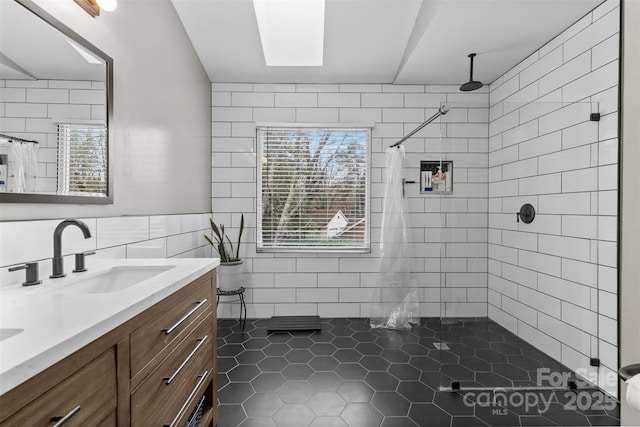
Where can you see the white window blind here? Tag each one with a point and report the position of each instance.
(82, 159)
(313, 189)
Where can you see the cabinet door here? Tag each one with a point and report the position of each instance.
(87, 398)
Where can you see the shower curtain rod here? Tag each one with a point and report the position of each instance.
(16, 139)
(441, 112)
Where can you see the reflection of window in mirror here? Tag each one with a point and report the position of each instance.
(82, 159)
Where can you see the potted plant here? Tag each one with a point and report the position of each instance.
(230, 271)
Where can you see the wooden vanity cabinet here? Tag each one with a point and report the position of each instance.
(150, 371)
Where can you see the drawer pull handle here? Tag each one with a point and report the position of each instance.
(186, 316)
(186, 402)
(169, 380)
(62, 420)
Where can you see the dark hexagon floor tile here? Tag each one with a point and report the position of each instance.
(236, 338)
(603, 420)
(273, 364)
(351, 371)
(268, 381)
(395, 356)
(324, 363)
(504, 348)
(262, 405)
(326, 404)
(461, 350)
(279, 337)
(470, 421)
(339, 321)
(434, 379)
(297, 372)
(277, 349)
(235, 393)
(415, 349)
(496, 416)
(257, 422)
(355, 391)
(444, 356)
(374, 363)
(381, 381)
(243, 373)
(225, 364)
(344, 342)
(475, 342)
(538, 420)
(250, 357)
(347, 355)
(491, 356)
(342, 331)
(256, 343)
(328, 422)
(491, 379)
(360, 325)
(300, 343)
(369, 349)
(364, 336)
(476, 364)
(324, 336)
(230, 350)
(296, 392)
(325, 381)
(509, 371)
(390, 404)
(425, 363)
(403, 371)
(389, 342)
(230, 415)
(455, 403)
(458, 372)
(524, 362)
(299, 356)
(427, 414)
(223, 380)
(415, 391)
(398, 422)
(293, 415)
(361, 415)
(323, 349)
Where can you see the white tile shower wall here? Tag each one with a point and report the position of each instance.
(337, 284)
(157, 236)
(548, 279)
(32, 110)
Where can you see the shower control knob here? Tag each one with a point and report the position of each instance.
(527, 214)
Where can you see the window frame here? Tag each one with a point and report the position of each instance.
(366, 243)
(63, 160)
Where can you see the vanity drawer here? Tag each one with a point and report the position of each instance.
(172, 320)
(160, 397)
(92, 389)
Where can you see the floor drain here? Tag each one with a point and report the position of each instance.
(440, 346)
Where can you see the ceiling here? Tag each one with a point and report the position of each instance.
(384, 41)
(31, 49)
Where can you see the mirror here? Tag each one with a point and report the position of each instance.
(55, 110)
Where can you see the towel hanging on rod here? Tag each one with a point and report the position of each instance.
(16, 139)
(441, 111)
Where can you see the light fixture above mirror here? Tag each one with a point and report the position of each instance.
(93, 7)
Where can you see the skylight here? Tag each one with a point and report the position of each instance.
(291, 31)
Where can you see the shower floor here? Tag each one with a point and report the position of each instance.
(350, 375)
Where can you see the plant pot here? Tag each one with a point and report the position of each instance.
(230, 275)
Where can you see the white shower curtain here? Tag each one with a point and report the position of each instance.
(395, 302)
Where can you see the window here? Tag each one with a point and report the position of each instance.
(313, 191)
(82, 159)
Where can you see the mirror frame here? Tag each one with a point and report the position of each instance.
(71, 199)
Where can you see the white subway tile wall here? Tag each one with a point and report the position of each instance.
(544, 281)
(342, 284)
(33, 113)
(157, 236)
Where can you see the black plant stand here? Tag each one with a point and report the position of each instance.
(243, 306)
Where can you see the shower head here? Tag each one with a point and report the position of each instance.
(471, 84)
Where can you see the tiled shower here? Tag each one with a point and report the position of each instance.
(526, 138)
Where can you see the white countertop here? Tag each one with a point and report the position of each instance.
(56, 325)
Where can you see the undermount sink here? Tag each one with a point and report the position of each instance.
(9, 332)
(115, 279)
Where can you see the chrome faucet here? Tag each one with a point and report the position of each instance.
(58, 261)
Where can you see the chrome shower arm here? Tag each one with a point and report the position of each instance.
(441, 111)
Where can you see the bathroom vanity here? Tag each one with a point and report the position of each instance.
(112, 355)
